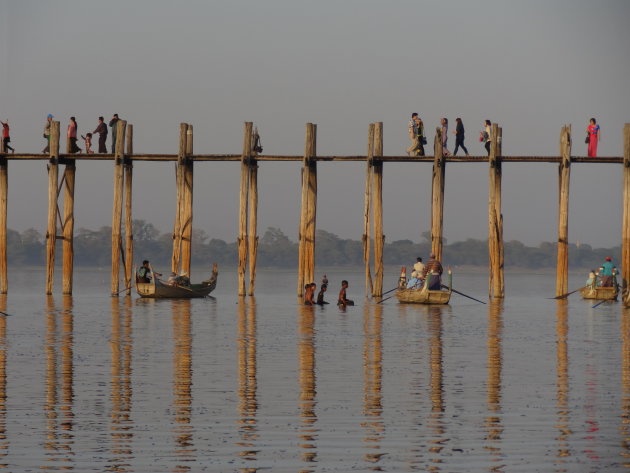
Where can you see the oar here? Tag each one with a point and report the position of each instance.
(599, 303)
(567, 294)
(122, 290)
(4, 313)
(383, 300)
(462, 294)
(389, 291)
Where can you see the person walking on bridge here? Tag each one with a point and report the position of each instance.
(72, 136)
(593, 134)
(113, 124)
(101, 129)
(49, 118)
(6, 137)
(459, 136)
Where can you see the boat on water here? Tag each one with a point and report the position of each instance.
(157, 289)
(600, 292)
(424, 295)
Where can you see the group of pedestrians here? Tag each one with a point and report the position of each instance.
(73, 134)
(418, 138)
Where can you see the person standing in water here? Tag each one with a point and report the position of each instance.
(343, 300)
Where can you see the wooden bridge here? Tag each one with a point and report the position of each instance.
(61, 225)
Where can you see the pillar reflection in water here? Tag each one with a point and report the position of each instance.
(562, 384)
(624, 428)
(436, 422)
(182, 383)
(373, 377)
(59, 386)
(121, 389)
(247, 381)
(308, 386)
(493, 425)
(4, 442)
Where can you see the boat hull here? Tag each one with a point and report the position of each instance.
(423, 296)
(160, 290)
(600, 293)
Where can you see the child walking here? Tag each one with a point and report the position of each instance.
(88, 143)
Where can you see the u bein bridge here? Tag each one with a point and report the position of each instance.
(61, 225)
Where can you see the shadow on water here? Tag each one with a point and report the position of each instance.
(247, 380)
(308, 387)
(58, 407)
(121, 423)
(493, 424)
(183, 429)
(373, 424)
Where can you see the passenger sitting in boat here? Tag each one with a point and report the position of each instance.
(418, 266)
(183, 279)
(320, 296)
(143, 274)
(607, 271)
(414, 281)
(172, 279)
(343, 301)
(592, 277)
(433, 267)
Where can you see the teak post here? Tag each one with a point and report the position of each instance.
(308, 210)
(564, 174)
(253, 215)
(366, 211)
(495, 218)
(437, 196)
(377, 205)
(187, 203)
(117, 205)
(625, 236)
(242, 221)
(53, 181)
(68, 226)
(128, 176)
(4, 191)
(179, 209)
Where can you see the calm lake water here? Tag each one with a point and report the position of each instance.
(92, 383)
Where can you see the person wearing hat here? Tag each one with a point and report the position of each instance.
(607, 271)
(47, 133)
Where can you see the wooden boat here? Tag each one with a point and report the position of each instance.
(425, 296)
(601, 293)
(157, 289)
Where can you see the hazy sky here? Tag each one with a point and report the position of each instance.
(530, 66)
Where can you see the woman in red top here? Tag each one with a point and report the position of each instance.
(6, 136)
(594, 135)
(72, 136)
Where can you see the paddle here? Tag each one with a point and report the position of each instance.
(383, 300)
(4, 313)
(389, 291)
(598, 304)
(462, 294)
(567, 294)
(122, 290)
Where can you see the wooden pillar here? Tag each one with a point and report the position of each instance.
(437, 196)
(4, 193)
(495, 218)
(564, 174)
(306, 251)
(128, 176)
(366, 211)
(179, 176)
(117, 205)
(625, 229)
(51, 230)
(187, 203)
(242, 222)
(68, 226)
(253, 218)
(377, 205)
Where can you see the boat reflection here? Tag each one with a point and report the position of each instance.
(182, 384)
(121, 424)
(372, 383)
(58, 407)
(493, 425)
(247, 380)
(4, 441)
(308, 385)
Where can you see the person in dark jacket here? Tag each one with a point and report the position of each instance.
(459, 136)
(113, 124)
(101, 129)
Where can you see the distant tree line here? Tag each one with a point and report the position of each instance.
(275, 249)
